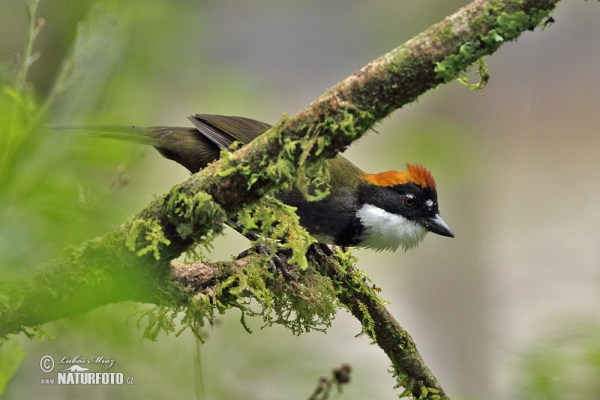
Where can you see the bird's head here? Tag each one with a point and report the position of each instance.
(398, 208)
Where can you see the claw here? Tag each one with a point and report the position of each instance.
(282, 267)
(327, 249)
(276, 262)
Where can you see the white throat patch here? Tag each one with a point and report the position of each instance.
(387, 231)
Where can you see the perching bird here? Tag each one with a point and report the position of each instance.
(382, 211)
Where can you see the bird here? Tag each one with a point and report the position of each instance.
(380, 211)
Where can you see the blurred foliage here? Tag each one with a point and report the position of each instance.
(53, 189)
(11, 357)
(562, 365)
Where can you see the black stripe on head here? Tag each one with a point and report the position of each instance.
(408, 199)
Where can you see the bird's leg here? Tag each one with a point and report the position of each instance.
(276, 263)
(320, 252)
(327, 249)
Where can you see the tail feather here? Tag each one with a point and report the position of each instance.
(185, 146)
(128, 133)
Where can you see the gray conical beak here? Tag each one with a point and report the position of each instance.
(438, 226)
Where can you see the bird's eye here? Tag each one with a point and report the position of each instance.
(410, 200)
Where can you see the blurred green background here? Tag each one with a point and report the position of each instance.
(507, 309)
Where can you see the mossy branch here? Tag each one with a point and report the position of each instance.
(353, 291)
(133, 262)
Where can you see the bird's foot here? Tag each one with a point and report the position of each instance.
(276, 262)
(327, 249)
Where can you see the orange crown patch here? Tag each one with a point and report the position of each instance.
(415, 173)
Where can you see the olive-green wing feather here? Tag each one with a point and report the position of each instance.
(224, 130)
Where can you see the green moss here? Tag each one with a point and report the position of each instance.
(506, 27)
(341, 123)
(146, 236)
(199, 210)
(160, 319)
(278, 227)
(414, 389)
(304, 305)
(367, 323)
(484, 76)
